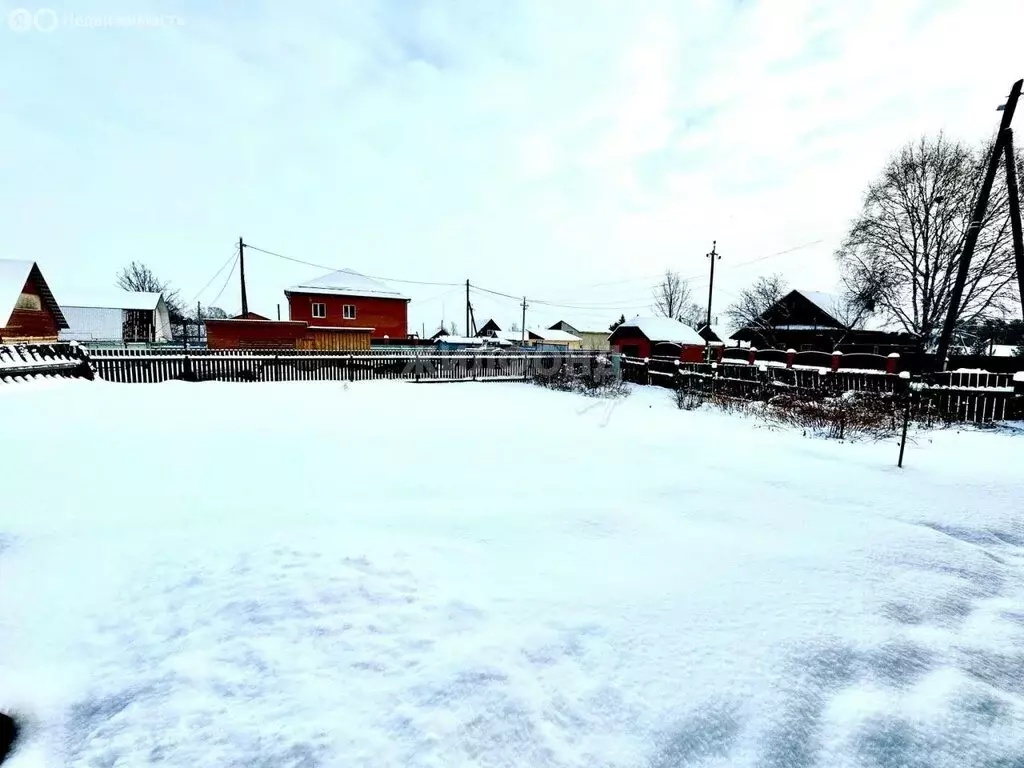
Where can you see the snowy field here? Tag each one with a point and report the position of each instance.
(386, 574)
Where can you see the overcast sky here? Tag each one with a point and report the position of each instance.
(568, 150)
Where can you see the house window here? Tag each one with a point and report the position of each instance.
(319, 310)
(29, 301)
(349, 311)
(806, 347)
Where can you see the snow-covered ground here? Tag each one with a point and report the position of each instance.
(390, 574)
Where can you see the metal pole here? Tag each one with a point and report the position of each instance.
(1015, 225)
(467, 309)
(906, 421)
(974, 230)
(241, 271)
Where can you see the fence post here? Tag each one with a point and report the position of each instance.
(837, 358)
(892, 363)
(790, 357)
(647, 371)
(752, 355)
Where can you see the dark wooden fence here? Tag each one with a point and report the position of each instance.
(24, 362)
(154, 366)
(975, 397)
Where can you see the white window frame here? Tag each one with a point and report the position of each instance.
(348, 311)
(323, 310)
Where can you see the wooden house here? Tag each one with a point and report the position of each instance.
(817, 321)
(589, 339)
(28, 310)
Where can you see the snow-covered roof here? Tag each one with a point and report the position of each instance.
(833, 305)
(664, 329)
(14, 273)
(347, 282)
(1002, 350)
(118, 299)
(548, 334)
(829, 303)
(468, 340)
(510, 335)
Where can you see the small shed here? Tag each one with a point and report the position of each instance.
(28, 311)
(649, 336)
(237, 333)
(118, 316)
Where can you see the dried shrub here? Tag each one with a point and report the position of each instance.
(592, 378)
(687, 399)
(852, 415)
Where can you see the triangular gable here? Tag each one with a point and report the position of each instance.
(14, 276)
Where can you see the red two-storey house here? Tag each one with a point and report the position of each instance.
(347, 299)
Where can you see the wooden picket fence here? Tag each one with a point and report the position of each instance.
(144, 366)
(954, 396)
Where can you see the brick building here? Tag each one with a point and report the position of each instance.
(347, 299)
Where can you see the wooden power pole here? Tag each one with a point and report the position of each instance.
(241, 272)
(1015, 226)
(711, 283)
(974, 228)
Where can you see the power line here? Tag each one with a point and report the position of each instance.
(215, 276)
(338, 269)
(773, 255)
(226, 281)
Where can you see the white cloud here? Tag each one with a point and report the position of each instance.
(530, 146)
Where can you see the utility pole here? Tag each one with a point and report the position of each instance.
(1015, 226)
(467, 309)
(711, 283)
(524, 321)
(278, 311)
(974, 229)
(241, 272)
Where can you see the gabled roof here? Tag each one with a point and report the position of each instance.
(579, 328)
(13, 276)
(510, 335)
(347, 282)
(718, 332)
(118, 299)
(548, 334)
(660, 329)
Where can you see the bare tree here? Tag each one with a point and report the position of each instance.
(138, 277)
(208, 313)
(514, 327)
(902, 253)
(756, 307)
(673, 298)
